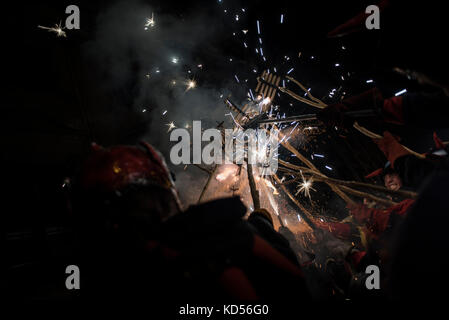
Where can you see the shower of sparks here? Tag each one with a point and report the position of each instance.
(56, 29)
(171, 126)
(305, 186)
(150, 22)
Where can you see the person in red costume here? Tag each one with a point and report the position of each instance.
(134, 240)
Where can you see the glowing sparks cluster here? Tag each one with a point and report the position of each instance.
(305, 186)
(191, 84)
(171, 126)
(56, 29)
(229, 171)
(149, 23)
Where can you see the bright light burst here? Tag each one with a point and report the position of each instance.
(150, 22)
(56, 29)
(191, 84)
(270, 185)
(305, 186)
(266, 101)
(171, 126)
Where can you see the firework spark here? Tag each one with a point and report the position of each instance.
(270, 185)
(305, 186)
(171, 126)
(150, 22)
(227, 172)
(191, 84)
(56, 29)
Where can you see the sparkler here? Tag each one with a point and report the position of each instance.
(171, 126)
(150, 22)
(191, 84)
(56, 29)
(226, 173)
(305, 186)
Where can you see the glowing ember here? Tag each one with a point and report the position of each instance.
(226, 173)
(171, 126)
(266, 101)
(150, 22)
(191, 84)
(56, 29)
(305, 186)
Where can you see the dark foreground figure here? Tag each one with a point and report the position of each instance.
(130, 240)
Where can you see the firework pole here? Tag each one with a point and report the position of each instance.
(252, 186)
(306, 215)
(211, 174)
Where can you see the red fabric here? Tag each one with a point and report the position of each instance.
(236, 283)
(266, 252)
(391, 148)
(111, 169)
(393, 110)
(356, 23)
(356, 257)
(339, 229)
(375, 173)
(364, 99)
(376, 220)
(438, 142)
